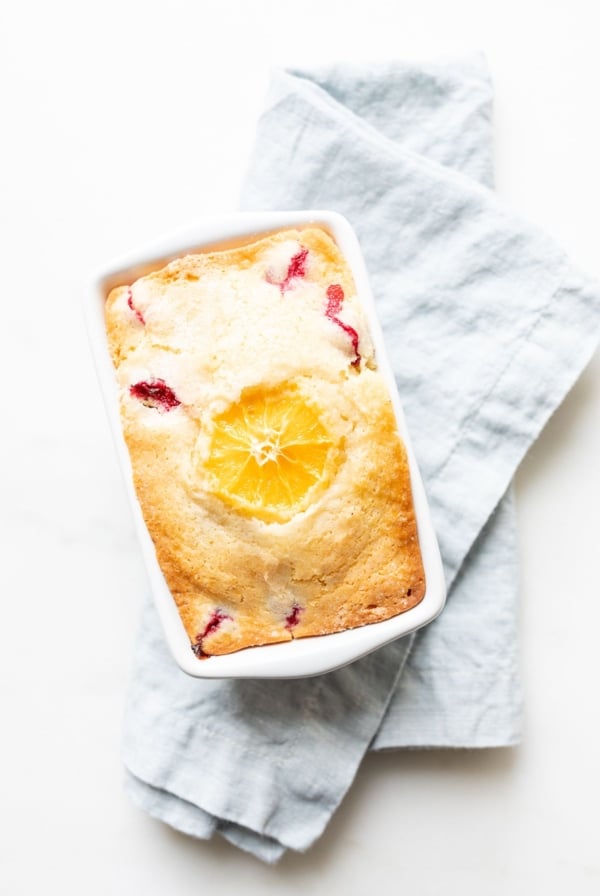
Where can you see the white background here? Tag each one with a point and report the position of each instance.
(121, 121)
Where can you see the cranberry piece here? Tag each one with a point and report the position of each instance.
(210, 628)
(335, 297)
(137, 313)
(293, 617)
(296, 268)
(297, 265)
(155, 394)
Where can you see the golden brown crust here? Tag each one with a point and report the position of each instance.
(350, 558)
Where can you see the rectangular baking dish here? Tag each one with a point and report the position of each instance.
(303, 656)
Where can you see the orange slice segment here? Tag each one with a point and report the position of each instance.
(269, 453)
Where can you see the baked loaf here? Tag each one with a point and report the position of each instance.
(263, 443)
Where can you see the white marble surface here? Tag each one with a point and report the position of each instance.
(123, 120)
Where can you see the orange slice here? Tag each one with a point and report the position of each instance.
(269, 454)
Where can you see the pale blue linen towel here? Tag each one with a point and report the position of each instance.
(488, 326)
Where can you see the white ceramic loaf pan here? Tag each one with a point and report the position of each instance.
(304, 656)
